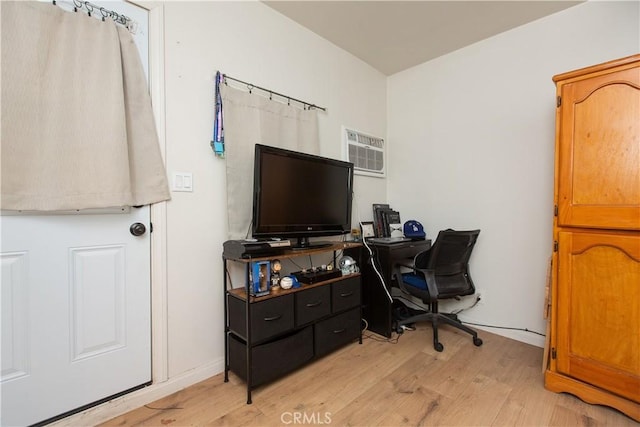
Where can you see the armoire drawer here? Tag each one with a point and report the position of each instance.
(345, 294)
(336, 331)
(313, 304)
(268, 318)
(272, 359)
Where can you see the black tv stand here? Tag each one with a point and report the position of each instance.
(303, 243)
(269, 336)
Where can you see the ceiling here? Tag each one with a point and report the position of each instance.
(392, 36)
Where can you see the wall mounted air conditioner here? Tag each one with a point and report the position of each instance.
(366, 152)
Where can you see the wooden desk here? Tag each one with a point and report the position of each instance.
(377, 309)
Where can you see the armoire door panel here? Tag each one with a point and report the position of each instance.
(599, 310)
(599, 150)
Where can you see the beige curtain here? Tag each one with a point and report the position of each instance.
(250, 119)
(77, 127)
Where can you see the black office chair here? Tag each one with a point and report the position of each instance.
(440, 272)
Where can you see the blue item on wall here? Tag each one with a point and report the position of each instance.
(217, 144)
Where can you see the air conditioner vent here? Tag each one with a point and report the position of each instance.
(366, 152)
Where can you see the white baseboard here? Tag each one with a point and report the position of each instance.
(116, 407)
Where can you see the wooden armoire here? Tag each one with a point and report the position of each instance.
(595, 291)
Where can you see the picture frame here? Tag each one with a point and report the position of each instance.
(367, 229)
(260, 278)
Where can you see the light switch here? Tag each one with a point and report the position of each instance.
(182, 181)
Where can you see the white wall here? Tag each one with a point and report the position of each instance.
(251, 42)
(472, 145)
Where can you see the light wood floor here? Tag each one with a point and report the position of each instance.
(406, 383)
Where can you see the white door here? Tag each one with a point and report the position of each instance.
(76, 325)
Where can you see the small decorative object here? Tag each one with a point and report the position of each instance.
(367, 229)
(260, 278)
(347, 265)
(355, 235)
(276, 267)
(395, 230)
(288, 282)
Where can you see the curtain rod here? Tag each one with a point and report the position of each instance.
(106, 13)
(251, 86)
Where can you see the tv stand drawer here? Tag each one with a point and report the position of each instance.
(345, 294)
(337, 331)
(313, 304)
(273, 359)
(268, 318)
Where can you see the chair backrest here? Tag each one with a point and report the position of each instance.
(449, 259)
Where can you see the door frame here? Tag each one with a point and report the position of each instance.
(158, 214)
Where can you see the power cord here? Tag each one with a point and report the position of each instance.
(371, 257)
(456, 312)
(375, 268)
(248, 233)
(504, 327)
(295, 263)
(374, 337)
(478, 297)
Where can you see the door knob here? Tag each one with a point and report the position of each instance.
(137, 229)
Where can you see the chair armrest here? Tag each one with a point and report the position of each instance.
(429, 276)
(432, 286)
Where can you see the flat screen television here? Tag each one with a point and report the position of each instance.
(298, 195)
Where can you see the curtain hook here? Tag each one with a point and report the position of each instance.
(89, 7)
(270, 96)
(250, 87)
(77, 4)
(104, 13)
(289, 101)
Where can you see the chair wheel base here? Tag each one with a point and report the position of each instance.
(477, 341)
(438, 346)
